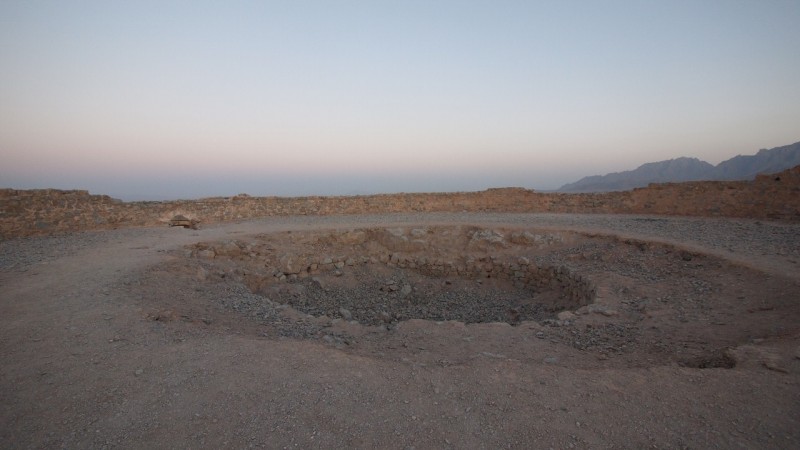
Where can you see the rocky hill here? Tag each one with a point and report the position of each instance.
(51, 211)
(742, 167)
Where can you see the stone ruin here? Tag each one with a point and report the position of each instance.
(383, 276)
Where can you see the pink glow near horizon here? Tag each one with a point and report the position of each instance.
(129, 98)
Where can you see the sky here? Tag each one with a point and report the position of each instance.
(146, 100)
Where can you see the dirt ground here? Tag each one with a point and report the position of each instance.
(220, 338)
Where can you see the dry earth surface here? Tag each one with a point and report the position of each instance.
(405, 331)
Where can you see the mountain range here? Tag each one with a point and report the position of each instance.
(742, 167)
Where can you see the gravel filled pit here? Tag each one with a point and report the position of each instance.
(383, 294)
(383, 276)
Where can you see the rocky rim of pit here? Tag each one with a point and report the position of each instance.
(384, 276)
(638, 303)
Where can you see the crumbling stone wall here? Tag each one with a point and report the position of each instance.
(258, 266)
(47, 211)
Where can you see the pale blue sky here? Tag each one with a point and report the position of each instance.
(166, 99)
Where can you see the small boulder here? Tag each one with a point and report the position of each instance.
(183, 221)
(486, 239)
(566, 315)
(346, 314)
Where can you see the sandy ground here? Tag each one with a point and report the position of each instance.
(110, 339)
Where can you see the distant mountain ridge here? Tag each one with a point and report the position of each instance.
(742, 167)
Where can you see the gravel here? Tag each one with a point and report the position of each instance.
(482, 375)
(22, 253)
(741, 236)
(369, 303)
(778, 241)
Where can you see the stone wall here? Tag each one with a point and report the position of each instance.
(574, 290)
(266, 262)
(47, 211)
